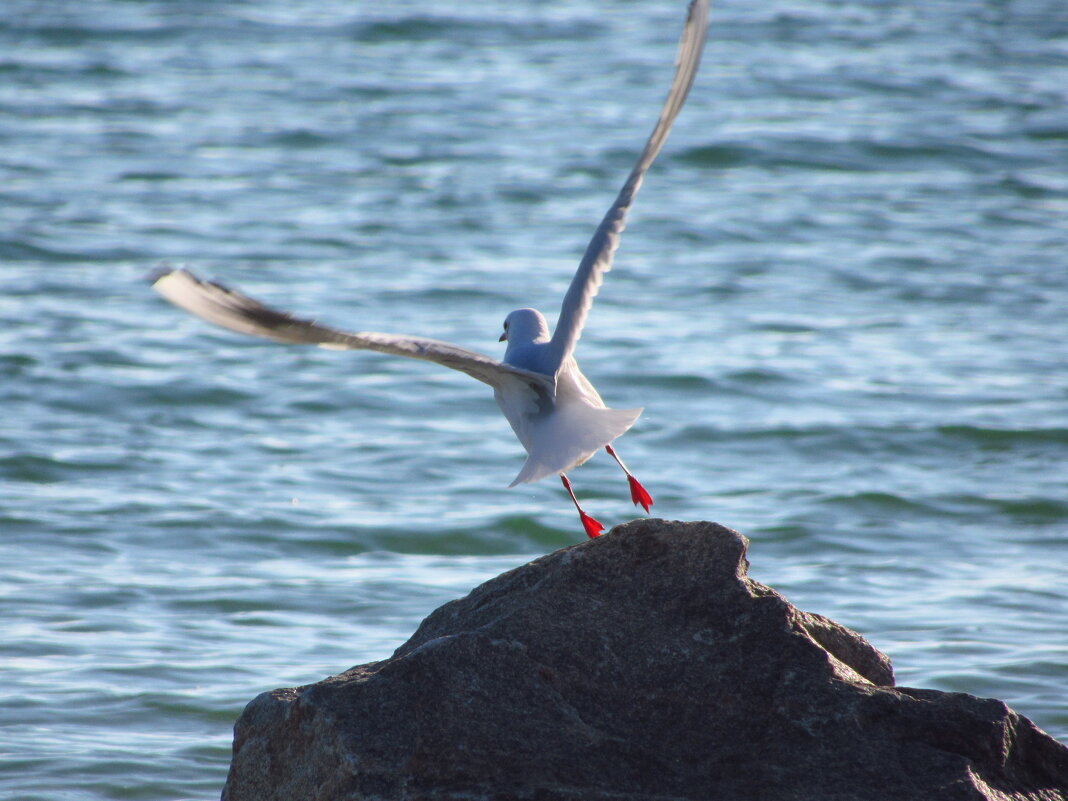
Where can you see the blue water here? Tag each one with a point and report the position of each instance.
(842, 299)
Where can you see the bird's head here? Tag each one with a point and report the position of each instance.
(525, 326)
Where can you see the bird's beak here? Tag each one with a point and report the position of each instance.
(504, 337)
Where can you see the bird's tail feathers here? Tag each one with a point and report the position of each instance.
(577, 433)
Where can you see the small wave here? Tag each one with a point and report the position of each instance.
(505, 534)
(325, 242)
(301, 138)
(16, 364)
(882, 502)
(1029, 187)
(424, 28)
(756, 376)
(446, 293)
(784, 328)
(12, 525)
(1022, 510)
(1046, 133)
(35, 469)
(853, 155)
(96, 70)
(1031, 511)
(81, 34)
(720, 156)
(150, 176)
(922, 437)
(19, 250)
(1028, 511)
(526, 195)
(1004, 438)
(185, 395)
(679, 382)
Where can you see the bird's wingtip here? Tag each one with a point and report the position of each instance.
(160, 274)
(154, 276)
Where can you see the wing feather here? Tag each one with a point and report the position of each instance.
(235, 311)
(597, 259)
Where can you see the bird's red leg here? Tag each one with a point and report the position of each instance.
(593, 528)
(637, 491)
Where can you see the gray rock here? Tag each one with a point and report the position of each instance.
(641, 665)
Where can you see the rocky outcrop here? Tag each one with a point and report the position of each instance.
(643, 664)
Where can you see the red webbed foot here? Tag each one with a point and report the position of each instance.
(593, 528)
(638, 494)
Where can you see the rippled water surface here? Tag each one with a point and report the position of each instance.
(842, 300)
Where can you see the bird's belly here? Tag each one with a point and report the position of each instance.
(515, 412)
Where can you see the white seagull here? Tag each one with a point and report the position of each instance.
(552, 407)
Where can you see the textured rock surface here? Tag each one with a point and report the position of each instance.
(640, 665)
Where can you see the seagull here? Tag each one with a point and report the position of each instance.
(554, 410)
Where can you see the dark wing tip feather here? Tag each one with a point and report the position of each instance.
(230, 309)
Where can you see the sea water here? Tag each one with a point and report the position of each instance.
(842, 300)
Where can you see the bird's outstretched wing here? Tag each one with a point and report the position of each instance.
(598, 257)
(230, 309)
